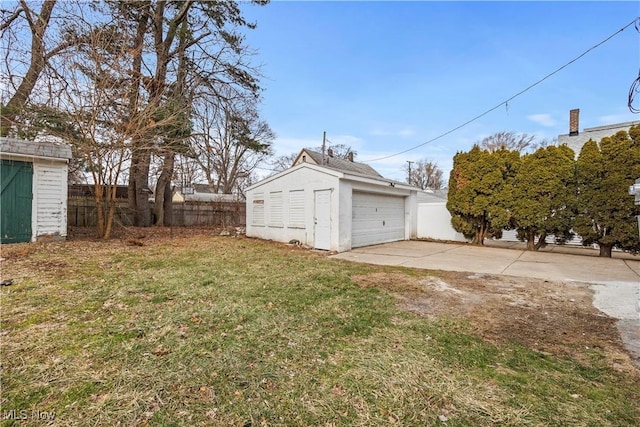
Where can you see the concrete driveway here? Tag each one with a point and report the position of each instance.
(614, 281)
(495, 260)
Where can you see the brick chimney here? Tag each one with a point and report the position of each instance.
(350, 156)
(329, 152)
(574, 122)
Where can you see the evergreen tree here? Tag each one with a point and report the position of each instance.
(477, 200)
(606, 212)
(543, 196)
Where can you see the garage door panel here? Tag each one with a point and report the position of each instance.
(376, 219)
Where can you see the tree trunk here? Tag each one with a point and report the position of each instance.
(139, 180)
(164, 182)
(136, 154)
(478, 238)
(131, 187)
(542, 241)
(168, 205)
(40, 23)
(111, 212)
(531, 240)
(605, 250)
(97, 195)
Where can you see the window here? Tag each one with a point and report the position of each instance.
(296, 209)
(275, 209)
(258, 209)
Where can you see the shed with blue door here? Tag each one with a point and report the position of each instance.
(33, 182)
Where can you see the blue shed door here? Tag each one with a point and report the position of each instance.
(16, 180)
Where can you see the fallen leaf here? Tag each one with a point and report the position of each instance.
(160, 351)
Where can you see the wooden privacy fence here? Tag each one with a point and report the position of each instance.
(82, 212)
(226, 214)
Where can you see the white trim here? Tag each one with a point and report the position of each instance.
(29, 158)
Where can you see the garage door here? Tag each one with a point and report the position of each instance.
(376, 219)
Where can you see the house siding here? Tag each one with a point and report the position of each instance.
(576, 142)
(50, 199)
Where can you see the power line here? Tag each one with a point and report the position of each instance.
(506, 102)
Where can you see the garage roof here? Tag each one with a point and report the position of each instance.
(351, 176)
(335, 163)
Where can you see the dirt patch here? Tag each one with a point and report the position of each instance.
(550, 317)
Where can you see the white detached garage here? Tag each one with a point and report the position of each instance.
(331, 204)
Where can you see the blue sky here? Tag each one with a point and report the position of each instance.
(385, 76)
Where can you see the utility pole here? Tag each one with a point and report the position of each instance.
(409, 177)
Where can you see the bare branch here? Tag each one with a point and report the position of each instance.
(6, 23)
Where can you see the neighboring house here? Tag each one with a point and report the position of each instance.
(34, 190)
(512, 236)
(434, 219)
(331, 204)
(576, 139)
(634, 190)
(201, 193)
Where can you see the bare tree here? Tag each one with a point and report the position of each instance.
(507, 140)
(38, 24)
(205, 33)
(340, 151)
(92, 109)
(30, 42)
(230, 140)
(176, 135)
(281, 163)
(89, 114)
(425, 174)
(187, 171)
(162, 52)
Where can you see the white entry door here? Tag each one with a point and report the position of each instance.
(322, 220)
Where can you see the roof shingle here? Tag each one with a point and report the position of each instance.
(342, 165)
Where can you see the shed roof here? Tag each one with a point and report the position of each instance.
(42, 149)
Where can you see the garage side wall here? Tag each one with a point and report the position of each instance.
(411, 213)
(345, 212)
(434, 222)
(283, 209)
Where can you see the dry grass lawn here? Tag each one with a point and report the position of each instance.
(185, 327)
